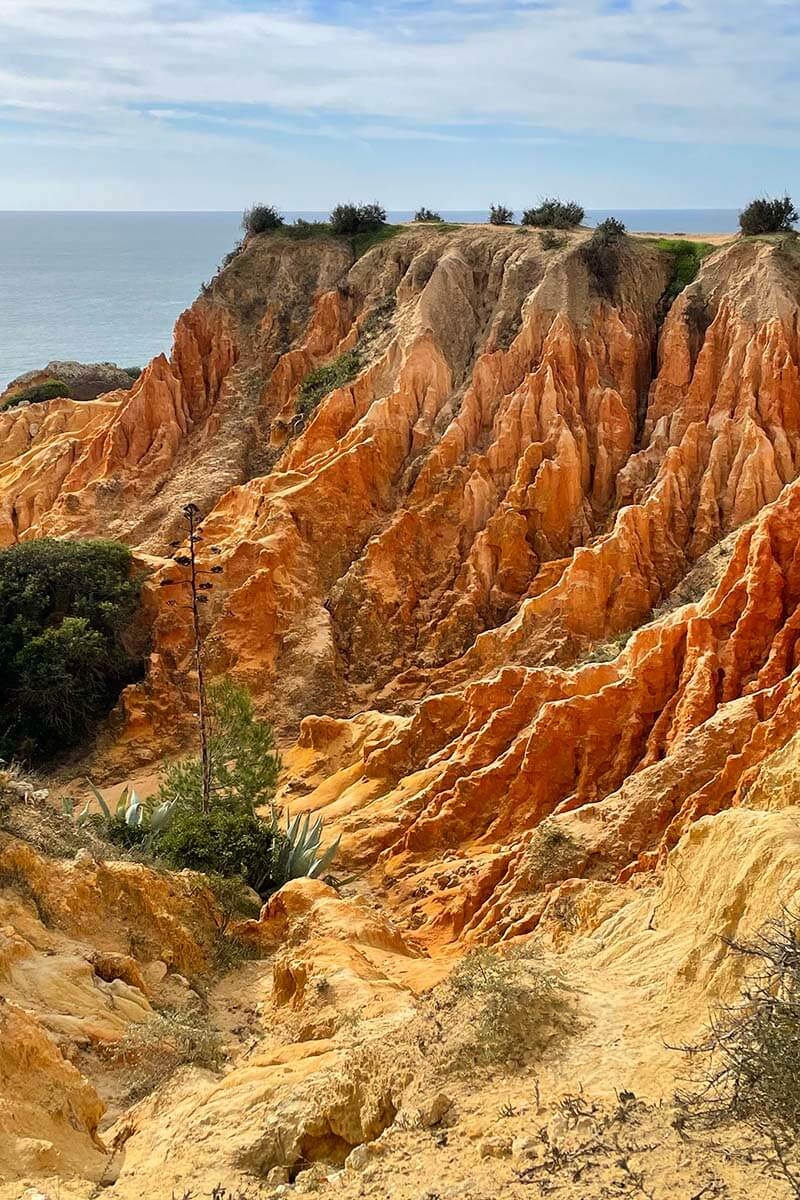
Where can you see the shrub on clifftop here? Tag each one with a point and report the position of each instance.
(769, 216)
(500, 215)
(51, 389)
(426, 214)
(261, 218)
(351, 219)
(64, 611)
(554, 214)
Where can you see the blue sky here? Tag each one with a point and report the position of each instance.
(211, 104)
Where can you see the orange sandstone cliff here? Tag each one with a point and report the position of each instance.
(522, 596)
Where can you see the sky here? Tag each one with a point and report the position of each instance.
(215, 104)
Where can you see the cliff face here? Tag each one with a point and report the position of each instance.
(523, 598)
(528, 462)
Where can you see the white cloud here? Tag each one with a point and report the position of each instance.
(718, 70)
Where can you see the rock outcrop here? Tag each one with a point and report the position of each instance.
(85, 381)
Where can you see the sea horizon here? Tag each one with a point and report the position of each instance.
(108, 286)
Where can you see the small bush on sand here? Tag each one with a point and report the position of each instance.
(552, 851)
(610, 230)
(426, 214)
(746, 1068)
(554, 214)
(764, 215)
(503, 1008)
(222, 842)
(500, 215)
(153, 1050)
(261, 218)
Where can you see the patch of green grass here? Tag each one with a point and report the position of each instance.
(51, 389)
(687, 258)
(323, 380)
(362, 242)
(301, 230)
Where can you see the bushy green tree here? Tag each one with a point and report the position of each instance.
(65, 608)
(351, 219)
(244, 761)
(766, 215)
(553, 213)
(261, 218)
(500, 215)
(232, 840)
(601, 255)
(426, 214)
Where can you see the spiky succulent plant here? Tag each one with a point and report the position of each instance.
(297, 848)
(129, 808)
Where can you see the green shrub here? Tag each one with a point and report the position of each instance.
(765, 215)
(51, 389)
(610, 230)
(65, 608)
(132, 372)
(550, 240)
(223, 842)
(500, 215)
(601, 255)
(244, 761)
(426, 214)
(553, 213)
(261, 218)
(506, 1007)
(351, 219)
(323, 380)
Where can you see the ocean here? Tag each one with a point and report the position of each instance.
(108, 287)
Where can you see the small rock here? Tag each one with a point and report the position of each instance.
(316, 1174)
(154, 972)
(358, 1157)
(495, 1147)
(477, 1127)
(526, 1147)
(557, 1127)
(83, 857)
(278, 1175)
(434, 1111)
(41, 794)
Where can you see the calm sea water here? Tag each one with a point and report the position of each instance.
(109, 286)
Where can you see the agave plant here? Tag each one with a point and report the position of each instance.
(297, 853)
(129, 808)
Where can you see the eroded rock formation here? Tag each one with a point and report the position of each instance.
(521, 597)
